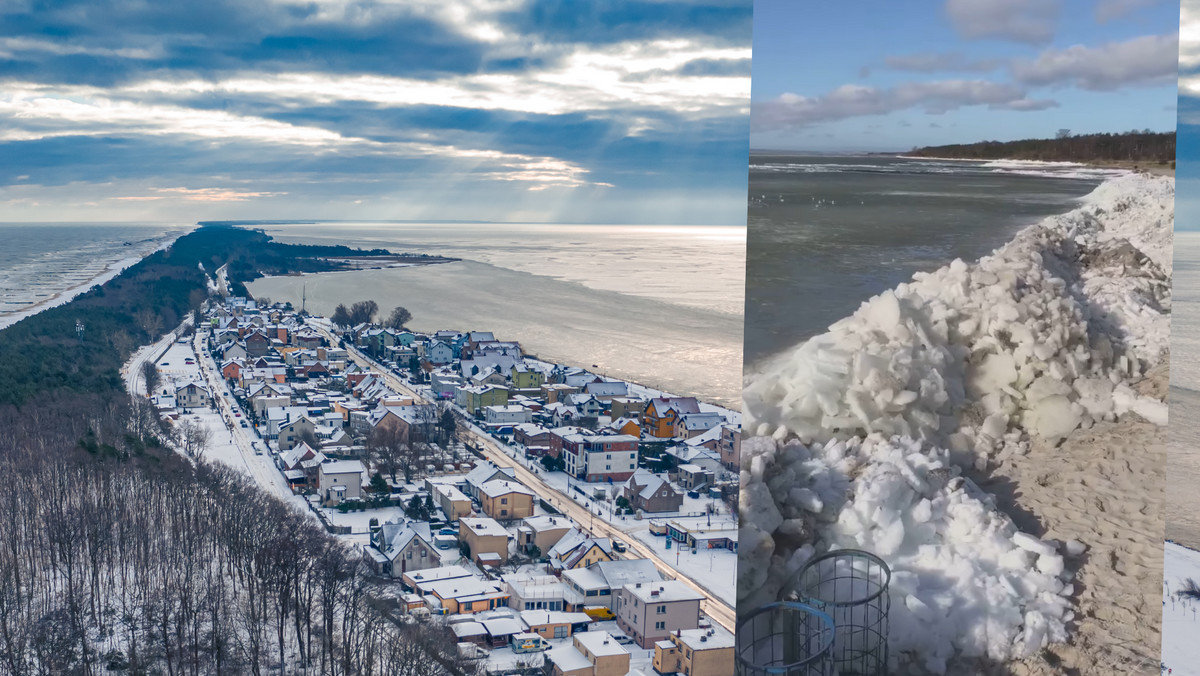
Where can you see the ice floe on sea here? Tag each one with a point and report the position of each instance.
(864, 432)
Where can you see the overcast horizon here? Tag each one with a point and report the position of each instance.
(959, 71)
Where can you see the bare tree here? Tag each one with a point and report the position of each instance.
(150, 375)
(193, 438)
(399, 317)
(388, 447)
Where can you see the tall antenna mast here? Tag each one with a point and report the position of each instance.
(303, 298)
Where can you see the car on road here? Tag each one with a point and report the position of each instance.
(622, 639)
(618, 545)
(244, 424)
(237, 414)
(165, 363)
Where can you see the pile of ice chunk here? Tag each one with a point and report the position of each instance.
(960, 366)
(965, 582)
(1043, 335)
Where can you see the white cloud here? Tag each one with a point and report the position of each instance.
(1025, 21)
(1146, 60)
(791, 110)
(587, 81)
(36, 113)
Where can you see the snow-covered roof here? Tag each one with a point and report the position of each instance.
(342, 467)
(483, 526)
(498, 487)
(600, 643)
(567, 658)
(666, 591)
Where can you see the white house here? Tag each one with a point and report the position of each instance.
(339, 480)
(192, 395)
(439, 353)
(511, 414)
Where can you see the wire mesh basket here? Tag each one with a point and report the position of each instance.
(785, 639)
(851, 586)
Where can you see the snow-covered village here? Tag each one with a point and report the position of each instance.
(550, 519)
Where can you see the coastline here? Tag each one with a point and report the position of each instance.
(112, 271)
(671, 348)
(921, 372)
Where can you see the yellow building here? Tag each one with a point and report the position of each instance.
(592, 653)
(475, 399)
(484, 536)
(696, 652)
(661, 414)
(525, 378)
(506, 499)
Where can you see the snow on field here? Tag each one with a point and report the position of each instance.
(1181, 617)
(955, 369)
(710, 568)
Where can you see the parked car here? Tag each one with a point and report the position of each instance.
(618, 545)
(244, 424)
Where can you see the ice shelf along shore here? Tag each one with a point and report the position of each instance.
(864, 437)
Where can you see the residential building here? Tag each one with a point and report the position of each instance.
(192, 395)
(294, 432)
(661, 414)
(730, 446)
(651, 493)
(484, 536)
(599, 583)
(598, 457)
(592, 653)
(649, 612)
(505, 500)
(506, 416)
(695, 652)
(543, 532)
(339, 480)
(398, 548)
(475, 398)
(525, 379)
(464, 595)
(454, 503)
(576, 549)
(555, 623)
(439, 353)
(535, 592)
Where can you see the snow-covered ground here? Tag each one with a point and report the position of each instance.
(711, 568)
(229, 442)
(955, 370)
(1181, 616)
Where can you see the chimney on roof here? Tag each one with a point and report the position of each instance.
(704, 638)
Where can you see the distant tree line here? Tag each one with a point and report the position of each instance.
(1133, 146)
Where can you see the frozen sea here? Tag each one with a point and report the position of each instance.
(1183, 433)
(42, 264)
(660, 305)
(827, 232)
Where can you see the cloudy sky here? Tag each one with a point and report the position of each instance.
(630, 111)
(892, 75)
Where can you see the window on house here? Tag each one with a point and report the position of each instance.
(662, 610)
(660, 625)
(504, 501)
(560, 632)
